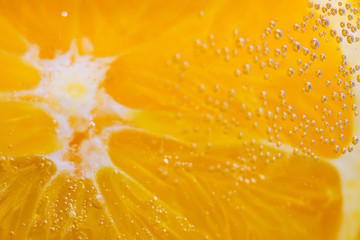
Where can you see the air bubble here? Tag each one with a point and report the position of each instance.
(325, 23)
(240, 42)
(64, 14)
(323, 99)
(296, 151)
(355, 140)
(296, 46)
(350, 39)
(282, 94)
(98, 201)
(308, 86)
(314, 43)
(318, 73)
(333, 32)
(278, 34)
(335, 96)
(291, 73)
(247, 69)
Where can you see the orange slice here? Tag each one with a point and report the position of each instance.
(179, 120)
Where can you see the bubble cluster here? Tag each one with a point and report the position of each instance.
(292, 86)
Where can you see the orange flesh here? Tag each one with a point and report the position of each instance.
(221, 140)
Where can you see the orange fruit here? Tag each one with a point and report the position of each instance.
(179, 120)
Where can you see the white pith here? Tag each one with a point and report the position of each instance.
(70, 88)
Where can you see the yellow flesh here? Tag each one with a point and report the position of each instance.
(178, 120)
